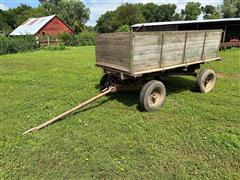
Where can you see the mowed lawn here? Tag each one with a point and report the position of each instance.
(192, 135)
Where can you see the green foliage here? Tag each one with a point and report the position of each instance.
(72, 12)
(193, 136)
(126, 14)
(107, 22)
(192, 11)
(129, 14)
(17, 44)
(211, 12)
(82, 39)
(124, 28)
(231, 8)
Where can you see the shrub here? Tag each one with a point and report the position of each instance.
(124, 28)
(82, 39)
(17, 44)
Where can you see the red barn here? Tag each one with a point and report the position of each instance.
(49, 25)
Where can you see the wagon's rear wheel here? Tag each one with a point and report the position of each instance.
(152, 95)
(205, 80)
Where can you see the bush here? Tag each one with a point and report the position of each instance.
(124, 28)
(82, 39)
(17, 44)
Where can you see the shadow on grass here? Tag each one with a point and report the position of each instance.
(173, 84)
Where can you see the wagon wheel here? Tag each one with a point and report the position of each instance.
(108, 80)
(152, 95)
(205, 80)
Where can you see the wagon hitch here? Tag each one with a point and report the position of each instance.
(104, 92)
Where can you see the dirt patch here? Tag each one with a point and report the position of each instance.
(235, 76)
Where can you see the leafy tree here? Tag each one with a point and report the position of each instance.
(107, 22)
(191, 11)
(126, 14)
(129, 14)
(124, 28)
(210, 12)
(231, 8)
(166, 12)
(150, 12)
(6, 22)
(73, 12)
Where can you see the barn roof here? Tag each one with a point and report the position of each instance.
(185, 22)
(32, 25)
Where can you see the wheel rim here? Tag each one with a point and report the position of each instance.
(155, 98)
(209, 82)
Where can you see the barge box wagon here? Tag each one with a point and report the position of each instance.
(138, 53)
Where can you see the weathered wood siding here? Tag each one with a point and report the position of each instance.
(113, 50)
(146, 51)
(154, 50)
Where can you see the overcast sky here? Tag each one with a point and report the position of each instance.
(98, 7)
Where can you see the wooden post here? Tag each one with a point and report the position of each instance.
(224, 34)
(205, 36)
(51, 121)
(184, 49)
(161, 50)
(48, 41)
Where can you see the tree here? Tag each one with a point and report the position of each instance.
(129, 14)
(107, 22)
(166, 12)
(126, 14)
(191, 11)
(124, 28)
(149, 11)
(231, 8)
(73, 12)
(6, 21)
(210, 12)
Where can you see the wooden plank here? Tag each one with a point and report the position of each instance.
(194, 46)
(173, 48)
(113, 50)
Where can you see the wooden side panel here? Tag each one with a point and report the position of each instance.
(146, 52)
(113, 50)
(194, 46)
(211, 47)
(173, 48)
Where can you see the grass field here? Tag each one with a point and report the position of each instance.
(193, 135)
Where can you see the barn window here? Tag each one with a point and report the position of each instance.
(43, 33)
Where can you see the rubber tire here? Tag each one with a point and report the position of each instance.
(200, 80)
(146, 91)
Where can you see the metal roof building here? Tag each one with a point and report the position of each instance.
(43, 25)
(230, 26)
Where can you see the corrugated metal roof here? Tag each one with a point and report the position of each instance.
(32, 26)
(185, 22)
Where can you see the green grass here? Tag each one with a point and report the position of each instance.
(193, 136)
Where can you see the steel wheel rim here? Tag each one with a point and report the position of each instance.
(155, 98)
(208, 82)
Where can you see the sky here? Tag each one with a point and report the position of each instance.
(98, 7)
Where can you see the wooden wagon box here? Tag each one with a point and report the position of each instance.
(137, 53)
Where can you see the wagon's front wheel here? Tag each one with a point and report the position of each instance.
(152, 95)
(108, 80)
(205, 80)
